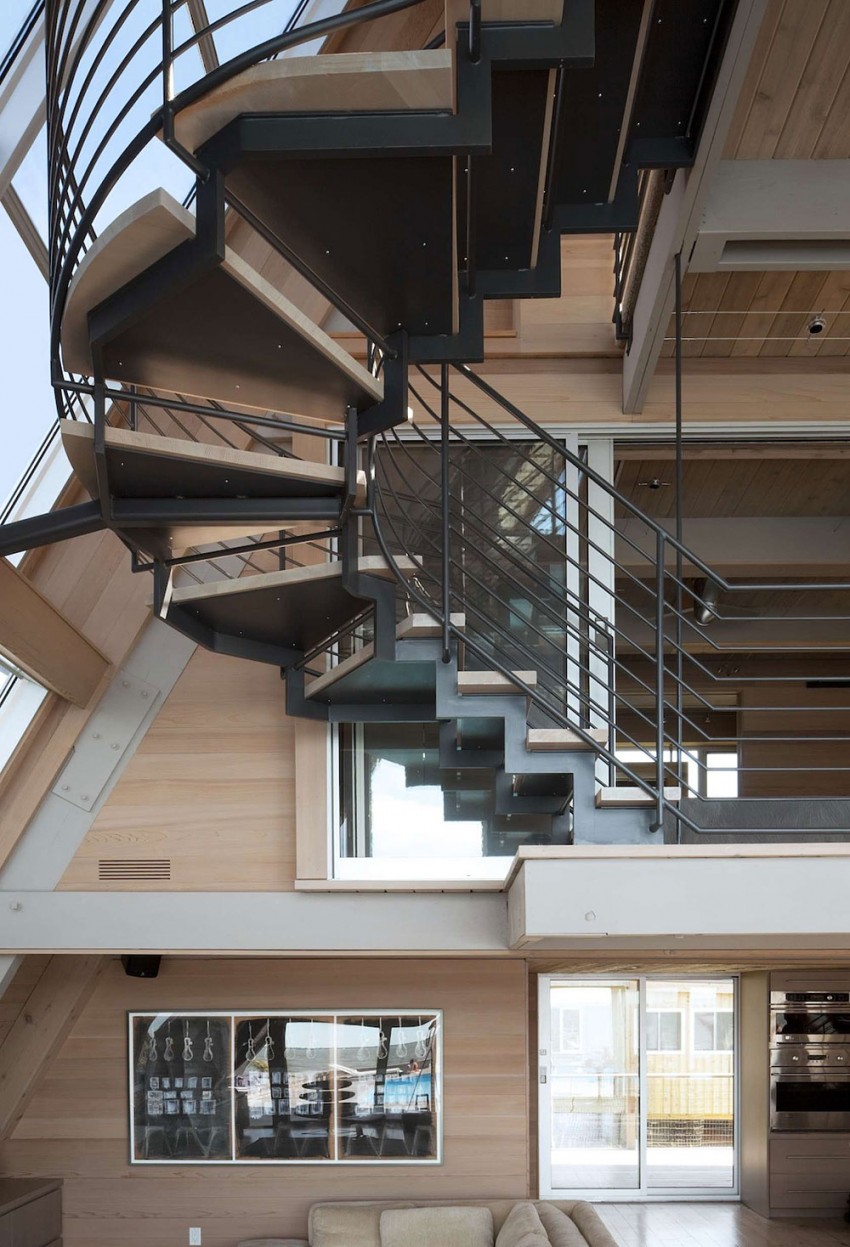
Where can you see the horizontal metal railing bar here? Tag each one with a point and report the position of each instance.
(334, 637)
(69, 249)
(291, 256)
(619, 631)
(563, 621)
(203, 556)
(218, 413)
(469, 606)
(607, 487)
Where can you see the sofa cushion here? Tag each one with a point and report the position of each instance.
(588, 1220)
(561, 1229)
(450, 1227)
(522, 1228)
(348, 1224)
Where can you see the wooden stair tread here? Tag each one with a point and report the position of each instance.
(216, 360)
(306, 476)
(272, 612)
(482, 683)
(343, 82)
(415, 626)
(554, 739)
(629, 796)
(289, 577)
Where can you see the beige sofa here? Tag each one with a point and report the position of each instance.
(358, 1223)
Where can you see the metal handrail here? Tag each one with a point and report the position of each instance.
(657, 715)
(74, 209)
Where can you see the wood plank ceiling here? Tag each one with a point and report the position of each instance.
(756, 483)
(794, 105)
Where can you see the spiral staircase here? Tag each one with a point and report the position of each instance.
(412, 186)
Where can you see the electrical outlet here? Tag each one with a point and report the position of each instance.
(195, 1236)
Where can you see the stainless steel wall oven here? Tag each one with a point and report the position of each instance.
(810, 1060)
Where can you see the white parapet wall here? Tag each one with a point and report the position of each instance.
(767, 896)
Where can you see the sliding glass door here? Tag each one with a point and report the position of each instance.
(636, 1083)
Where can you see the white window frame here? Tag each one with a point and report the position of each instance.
(642, 1193)
(713, 1050)
(680, 1015)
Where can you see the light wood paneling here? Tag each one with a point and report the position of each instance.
(749, 485)
(763, 314)
(210, 789)
(90, 581)
(795, 102)
(41, 641)
(579, 322)
(17, 993)
(37, 1033)
(76, 1126)
(797, 767)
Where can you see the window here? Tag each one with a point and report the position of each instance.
(400, 815)
(663, 1030)
(566, 1030)
(721, 774)
(714, 1031)
(295, 1088)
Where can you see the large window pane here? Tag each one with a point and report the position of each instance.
(28, 408)
(285, 1087)
(594, 1089)
(690, 1088)
(181, 1088)
(403, 816)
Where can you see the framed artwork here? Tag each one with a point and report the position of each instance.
(286, 1088)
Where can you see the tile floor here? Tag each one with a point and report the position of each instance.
(715, 1225)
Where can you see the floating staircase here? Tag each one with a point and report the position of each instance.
(406, 187)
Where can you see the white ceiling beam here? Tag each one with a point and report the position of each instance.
(770, 893)
(681, 212)
(251, 922)
(775, 214)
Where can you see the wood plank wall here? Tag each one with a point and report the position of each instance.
(76, 1126)
(210, 790)
(799, 767)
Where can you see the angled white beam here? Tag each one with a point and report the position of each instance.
(681, 212)
(22, 105)
(775, 214)
(123, 715)
(23, 96)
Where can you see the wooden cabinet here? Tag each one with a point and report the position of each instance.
(30, 1213)
(809, 1172)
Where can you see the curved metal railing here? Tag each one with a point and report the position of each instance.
(116, 80)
